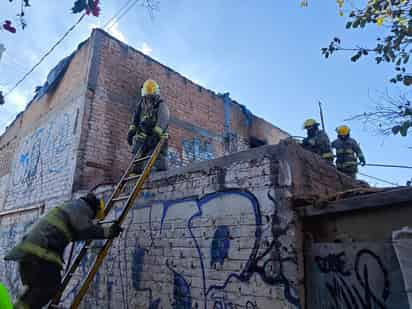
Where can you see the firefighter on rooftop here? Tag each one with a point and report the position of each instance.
(40, 252)
(348, 152)
(317, 141)
(150, 122)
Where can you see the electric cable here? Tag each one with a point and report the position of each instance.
(20, 81)
(379, 179)
(115, 16)
(388, 165)
(116, 20)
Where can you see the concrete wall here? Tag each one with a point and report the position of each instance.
(350, 259)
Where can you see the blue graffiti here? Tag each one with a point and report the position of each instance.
(201, 202)
(137, 266)
(44, 152)
(174, 159)
(24, 159)
(196, 150)
(155, 304)
(181, 291)
(219, 250)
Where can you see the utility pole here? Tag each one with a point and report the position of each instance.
(321, 117)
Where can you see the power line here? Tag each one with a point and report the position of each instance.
(388, 165)
(18, 83)
(379, 179)
(117, 13)
(117, 19)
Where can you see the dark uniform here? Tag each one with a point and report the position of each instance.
(319, 143)
(40, 252)
(347, 154)
(150, 121)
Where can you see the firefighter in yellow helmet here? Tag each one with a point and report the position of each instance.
(149, 124)
(40, 252)
(317, 141)
(348, 152)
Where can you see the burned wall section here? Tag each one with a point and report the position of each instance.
(215, 234)
(349, 254)
(204, 125)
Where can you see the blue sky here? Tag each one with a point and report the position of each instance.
(267, 55)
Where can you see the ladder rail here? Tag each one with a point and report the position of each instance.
(129, 204)
(83, 251)
(112, 200)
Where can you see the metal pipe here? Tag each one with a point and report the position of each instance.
(321, 117)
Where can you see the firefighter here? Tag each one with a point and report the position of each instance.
(348, 152)
(150, 122)
(40, 252)
(317, 141)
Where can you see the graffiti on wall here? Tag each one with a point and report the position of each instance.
(44, 151)
(174, 158)
(179, 248)
(42, 155)
(197, 149)
(9, 236)
(361, 277)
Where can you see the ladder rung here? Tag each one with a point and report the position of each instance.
(142, 159)
(132, 177)
(121, 198)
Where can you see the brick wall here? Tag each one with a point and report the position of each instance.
(38, 150)
(203, 125)
(215, 234)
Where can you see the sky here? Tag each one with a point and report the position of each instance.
(265, 53)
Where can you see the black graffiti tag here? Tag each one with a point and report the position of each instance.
(345, 293)
(333, 263)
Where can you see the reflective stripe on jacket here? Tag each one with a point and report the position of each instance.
(151, 116)
(48, 238)
(319, 144)
(347, 153)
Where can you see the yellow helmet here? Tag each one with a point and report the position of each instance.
(150, 87)
(310, 123)
(343, 130)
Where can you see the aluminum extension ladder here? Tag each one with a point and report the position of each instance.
(115, 198)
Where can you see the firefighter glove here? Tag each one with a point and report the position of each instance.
(362, 161)
(160, 132)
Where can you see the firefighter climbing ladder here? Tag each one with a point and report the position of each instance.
(115, 198)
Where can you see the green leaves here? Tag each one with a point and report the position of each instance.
(356, 57)
(393, 47)
(402, 129)
(407, 80)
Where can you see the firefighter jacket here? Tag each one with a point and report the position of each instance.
(48, 238)
(151, 117)
(347, 153)
(320, 144)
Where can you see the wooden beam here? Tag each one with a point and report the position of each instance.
(398, 196)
